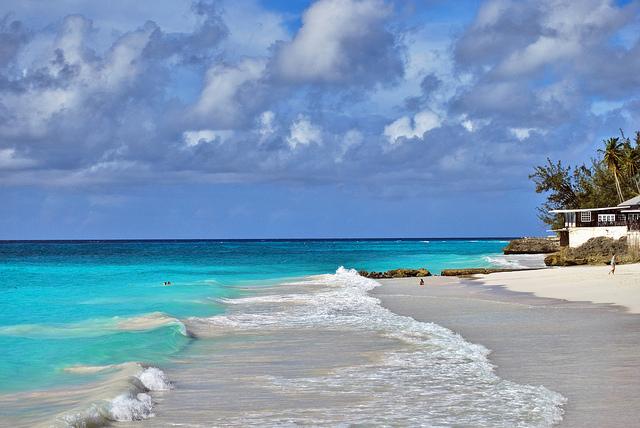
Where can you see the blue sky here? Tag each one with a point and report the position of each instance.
(327, 118)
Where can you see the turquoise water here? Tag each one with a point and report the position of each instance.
(65, 304)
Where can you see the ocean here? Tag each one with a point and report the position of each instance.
(258, 332)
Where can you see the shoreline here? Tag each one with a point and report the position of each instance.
(421, 373)
(585, 351)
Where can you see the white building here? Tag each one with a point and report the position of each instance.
(582, 224)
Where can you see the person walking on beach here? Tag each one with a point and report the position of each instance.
(421, 281)
(613, 265)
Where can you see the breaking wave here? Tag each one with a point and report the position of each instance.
(95, 327)
(134, 404)
(436, 378)
(517, 261)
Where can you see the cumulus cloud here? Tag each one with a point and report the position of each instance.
(193, 138)
(522, 133)
(536, 66)
(407, 128)
(518, 38)
(568, 29)
(229, 92)
(209, 98)
(303, 133)
(342, 41)
(66, 75)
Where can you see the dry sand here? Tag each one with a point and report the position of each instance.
(590, 353)
(578, 283)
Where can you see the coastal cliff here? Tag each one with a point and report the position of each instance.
(532, 246)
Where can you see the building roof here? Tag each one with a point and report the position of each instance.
(630, 202)
(579, 210)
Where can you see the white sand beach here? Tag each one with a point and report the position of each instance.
(586, 351)
(576, 283)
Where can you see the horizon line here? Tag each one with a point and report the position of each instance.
(484, 238)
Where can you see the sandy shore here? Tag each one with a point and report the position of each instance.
(588, 352)
(578, 283)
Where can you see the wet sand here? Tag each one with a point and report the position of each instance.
(324, 353)
(590, 353)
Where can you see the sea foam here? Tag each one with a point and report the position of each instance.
(517, 261)
(436, 378)
(134, 404)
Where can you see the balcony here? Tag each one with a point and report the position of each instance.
(611, 223)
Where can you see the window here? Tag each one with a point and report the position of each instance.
(602, 218)
(585, 216)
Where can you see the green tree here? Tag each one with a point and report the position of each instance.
(631, 160)
(613, 157)
(555, 180)
(603, 182)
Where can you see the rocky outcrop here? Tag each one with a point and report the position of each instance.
(595, 251)
(532, 246)
(473, 271)
(396, 273)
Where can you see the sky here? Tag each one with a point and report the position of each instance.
(295, 118)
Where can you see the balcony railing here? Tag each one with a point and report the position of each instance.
(611, 223)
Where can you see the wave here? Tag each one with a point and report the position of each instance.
(271, 298)
(436, 367)
(95, 327)
(517, 261)
(134, 404)
(80, 369)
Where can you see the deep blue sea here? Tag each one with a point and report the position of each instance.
(97, 303)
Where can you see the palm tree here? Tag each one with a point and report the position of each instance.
(631, 162)
(614, 159)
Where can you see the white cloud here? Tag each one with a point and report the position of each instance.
(33, 109)
(568, 29)
(220, 98)
(193, 138)
(323, 49)
(10, 160)
(267, 125)
(472, 125)
(524, 133)
(302, 133)
(405, 127)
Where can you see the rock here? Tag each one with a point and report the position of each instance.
(532, 246)
(560, 259)
(596, 251)
(396, 273)
(474, 271)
